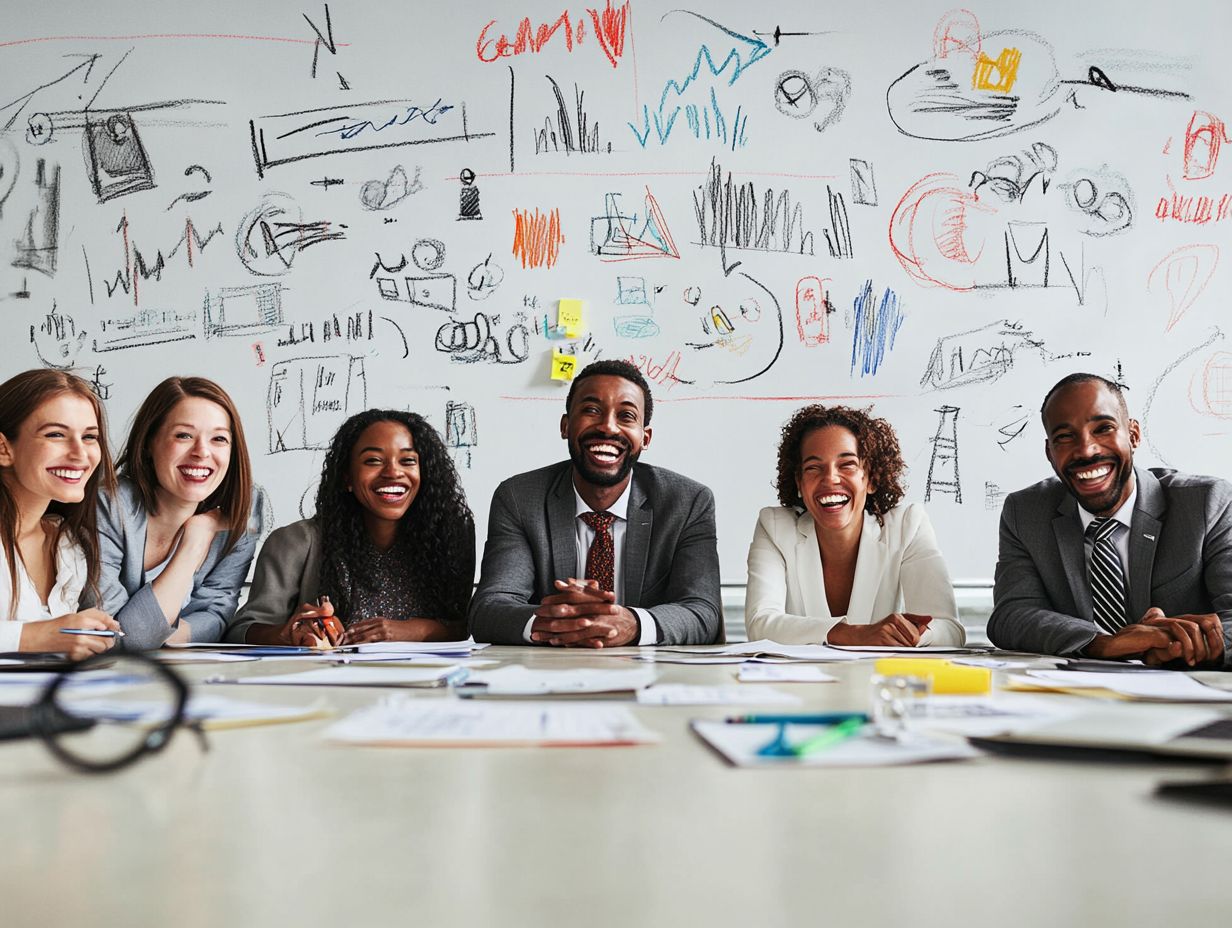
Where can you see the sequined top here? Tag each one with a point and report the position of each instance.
(396, 596)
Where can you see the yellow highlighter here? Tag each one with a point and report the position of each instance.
(946, 676)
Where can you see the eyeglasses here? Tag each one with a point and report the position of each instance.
(104, 713)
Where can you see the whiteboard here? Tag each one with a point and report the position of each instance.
(331, 206)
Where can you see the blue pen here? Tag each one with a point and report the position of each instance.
(825, 718)
(97, 632)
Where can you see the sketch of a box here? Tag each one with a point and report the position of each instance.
(309, 398)
(234, 311)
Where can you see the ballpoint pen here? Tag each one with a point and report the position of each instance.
(825, 718)
(831, 736)
(96, 632)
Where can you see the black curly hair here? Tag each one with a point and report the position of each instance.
(875, 439)
(436, 536)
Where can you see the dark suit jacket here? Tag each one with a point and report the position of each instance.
(1180, 559)
(670, 561)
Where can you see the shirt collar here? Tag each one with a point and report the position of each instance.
(619, 509)
(1123, 515)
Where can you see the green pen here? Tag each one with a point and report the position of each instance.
(831, 736)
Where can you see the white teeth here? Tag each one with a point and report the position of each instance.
(605, 450)
(66, 473)
(196, 472)
(392, 491)
(836, 498)
(1094, 474)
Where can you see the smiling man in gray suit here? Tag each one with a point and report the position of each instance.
(600, 550)
(1111, 561)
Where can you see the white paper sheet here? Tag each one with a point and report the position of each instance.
(783, 673)
(516, 680)
(740, 744)
(684, 694)
(366, 675)
(797, 652)
(471, 723)
(1165, 686)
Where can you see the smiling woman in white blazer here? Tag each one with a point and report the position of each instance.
(841, 560)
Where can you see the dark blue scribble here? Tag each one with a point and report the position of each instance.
(876, 327)
(350, 130)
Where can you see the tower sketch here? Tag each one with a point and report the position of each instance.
(943, 467)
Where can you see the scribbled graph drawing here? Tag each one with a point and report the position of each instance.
(146, 327)
(137, 268)
(813, 310)
(232, 311)
(461, 431)
(118, 161)
(616, 236)
(39, 246)
(838, 235)
(609, 27)
(874, 330)
(273, 234)
(386, 194)
(822, 96)
(56, 340)
(569, 131)
(978, 355)
(309, 398)
(863, 182)
(705, 120)
(943, 465)
(734, 215)
(481, 339)
(993, 495)
(537, 237)
(468, 197)
(631, 291)
(286, 138)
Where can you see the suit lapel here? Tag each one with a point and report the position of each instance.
(1068, 529)
(869, 564)
(562, 532)
(1145, 526)
(808, 568)
(638, 529)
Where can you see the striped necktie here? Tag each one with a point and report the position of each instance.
(1107, 575)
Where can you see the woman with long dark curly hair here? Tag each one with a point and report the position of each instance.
(389, 555)
(841, 560)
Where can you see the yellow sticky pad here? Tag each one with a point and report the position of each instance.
(564, 366)
(947, 677)
(569, 317)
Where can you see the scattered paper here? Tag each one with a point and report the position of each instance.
(780, 673)
(684, 694)
(767, 648)
(516, 680)
(569, 317)
(200, 657)
(740, 743)
(563, 365)
(1165, 686)
(469, 723)
(359, 676)
(213, 712)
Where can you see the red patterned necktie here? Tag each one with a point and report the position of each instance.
(601, 560)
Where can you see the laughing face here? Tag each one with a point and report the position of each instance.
(191, 450)
(54, 452)
(384, 475)
(832, 480)
(1091, 444)
(605, 431)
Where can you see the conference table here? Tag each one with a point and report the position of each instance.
(273, 825)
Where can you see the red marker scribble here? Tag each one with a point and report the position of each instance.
(1216, 384)
(930, 232)
(957, 31)
(536, 237)
(1203, 137)
(1197, 211)
(610, 25)
(813, 311)
(1183, 274)
(663, 373)
(259, 350)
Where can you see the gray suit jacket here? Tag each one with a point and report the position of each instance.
(670, 561)
(1180, 559)
(288, 573)
(125, 594)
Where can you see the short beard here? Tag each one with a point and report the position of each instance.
(1123, 475)
(599, 478)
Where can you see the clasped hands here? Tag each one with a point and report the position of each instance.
(316, 626)
(581, 615)
(1191, 640)
(900, 630)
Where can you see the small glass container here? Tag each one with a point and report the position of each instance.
(897, 704)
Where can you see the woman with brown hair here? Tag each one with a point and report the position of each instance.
(179, 533)
(841, 560)
(53, 456)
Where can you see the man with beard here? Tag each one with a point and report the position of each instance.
(600, 551)
(1108, 560)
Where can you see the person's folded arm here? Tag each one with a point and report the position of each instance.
(212, 602)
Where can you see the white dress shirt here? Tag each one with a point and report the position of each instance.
(586, 537)
(63, 599)
(1120, 538)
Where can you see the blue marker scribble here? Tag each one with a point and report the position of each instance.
(876, 327)
(350, 130)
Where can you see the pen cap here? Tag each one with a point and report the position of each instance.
(946, 677)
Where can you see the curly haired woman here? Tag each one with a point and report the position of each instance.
(840, 560)
(389, 555)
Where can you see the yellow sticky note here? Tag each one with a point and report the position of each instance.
(563, 366)
(569, 317)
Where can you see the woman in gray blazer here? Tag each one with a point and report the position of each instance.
(178, 535)
(389, 554)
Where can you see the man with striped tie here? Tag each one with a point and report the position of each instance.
(1108, 560)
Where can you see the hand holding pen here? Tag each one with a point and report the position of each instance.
(314, 626)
